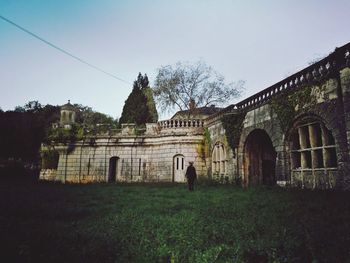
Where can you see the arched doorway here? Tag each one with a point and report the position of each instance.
(113, 169)
(259, 159)
(179, 168)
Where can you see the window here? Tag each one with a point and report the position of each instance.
(312, 147)
(219, 159)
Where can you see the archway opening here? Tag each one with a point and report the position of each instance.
(259, 159)
(113, 169)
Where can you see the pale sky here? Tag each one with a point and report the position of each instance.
(258, 41)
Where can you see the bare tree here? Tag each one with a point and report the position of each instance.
(186, 86)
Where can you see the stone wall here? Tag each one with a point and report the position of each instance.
(331, 110)
(263, 118)
(139, 158)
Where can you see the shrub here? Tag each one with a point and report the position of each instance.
(49, 159)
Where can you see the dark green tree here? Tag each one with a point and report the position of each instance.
(24, 129)
(89, 118)
(140, 107)
(33, 106)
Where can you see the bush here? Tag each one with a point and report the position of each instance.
(49, 159)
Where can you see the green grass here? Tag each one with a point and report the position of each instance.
(42, 222)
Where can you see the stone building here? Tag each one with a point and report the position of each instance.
(295, 132)
(68, 115)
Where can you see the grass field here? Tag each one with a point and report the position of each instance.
(42, 222)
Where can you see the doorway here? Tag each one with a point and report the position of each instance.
(259, 159)
(113, 169)
(179, 168)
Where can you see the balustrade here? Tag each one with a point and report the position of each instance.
(181, 123)
(340, 58)
(312, 73)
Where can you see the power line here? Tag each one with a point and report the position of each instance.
(62, 50)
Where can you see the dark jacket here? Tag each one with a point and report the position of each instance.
(191, 173)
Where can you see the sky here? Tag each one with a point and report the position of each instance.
(258, 41)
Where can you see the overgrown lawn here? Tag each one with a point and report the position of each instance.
(43, 222)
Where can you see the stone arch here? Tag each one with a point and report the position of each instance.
(273, 130)
(312, 144)
(259, 160)
(219, 157)
(331, 123)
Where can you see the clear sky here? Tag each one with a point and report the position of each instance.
(259, 41)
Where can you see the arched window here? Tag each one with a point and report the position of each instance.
(219, 159)
(312, 146)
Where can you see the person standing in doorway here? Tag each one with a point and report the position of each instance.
(191, 176)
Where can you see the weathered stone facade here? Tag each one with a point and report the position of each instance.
(312, 152)
(152, 156)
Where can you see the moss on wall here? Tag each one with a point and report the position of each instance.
(203, 148)
(233, 125)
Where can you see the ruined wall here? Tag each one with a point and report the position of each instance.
(140, 158)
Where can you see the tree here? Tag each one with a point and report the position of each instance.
(187, 86)
(89, 118)
(33, 106)
(24, 129)
(19, 109)
(140, 107)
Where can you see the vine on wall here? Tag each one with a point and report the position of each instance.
(233, 125)
(287, 107)
(204, 147)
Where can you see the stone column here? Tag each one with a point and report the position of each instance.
(303, 145)
(325, 141)
(313, 135)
